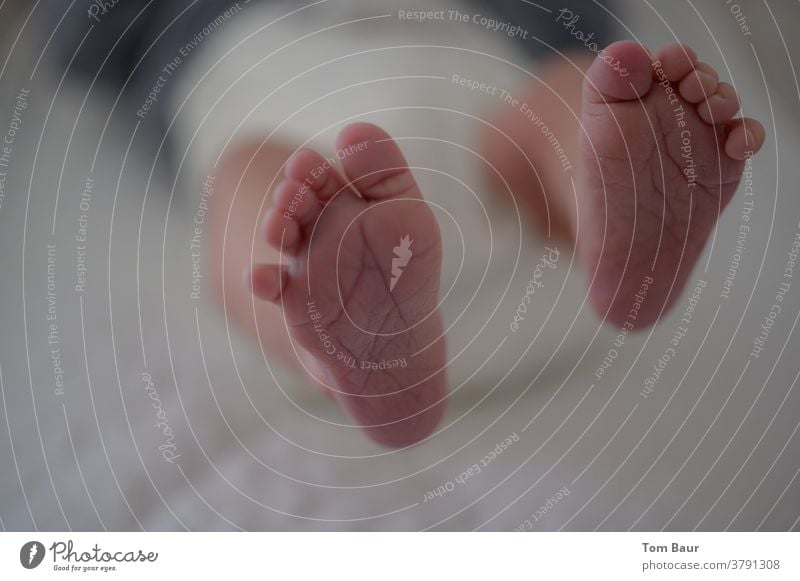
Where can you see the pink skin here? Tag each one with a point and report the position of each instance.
(635, 207)
(338, 237)
(635, 203)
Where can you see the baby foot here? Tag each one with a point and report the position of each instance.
(360, 289)
(661, 156)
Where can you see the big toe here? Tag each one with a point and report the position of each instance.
(374, 163)
(621, 71)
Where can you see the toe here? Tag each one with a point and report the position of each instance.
(296, 201)
(621, 71)
(309, 167)
(280, 230)
(267, 281)
(677, 60)
(721, 106)
(745, 137)
(706, 68)
(699, 84)
(374, 163)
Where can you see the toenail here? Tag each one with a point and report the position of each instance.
(705, 76)
(707, 69)
(749, 138)
(727, 92)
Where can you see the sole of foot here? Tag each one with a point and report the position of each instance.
(359, 289)
(661, 156)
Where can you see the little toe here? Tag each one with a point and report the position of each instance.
(677, 60)
(699, 84)
(296, 201)
(374, 163)
(309, 167)
(745, 137)
(267, 281)
(721, 106)
(621, 71)
(280, 230)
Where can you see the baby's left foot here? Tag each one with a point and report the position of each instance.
(360, 288)
(661, 155)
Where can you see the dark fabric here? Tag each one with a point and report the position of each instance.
(138, 37)
(125, 44)
(148, 30)
(538, 17)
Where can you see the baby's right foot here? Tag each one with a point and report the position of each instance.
(360, 293)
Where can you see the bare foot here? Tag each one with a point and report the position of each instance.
(360, 290)
(660, 157)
